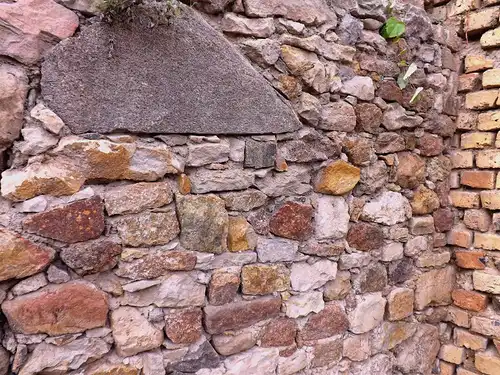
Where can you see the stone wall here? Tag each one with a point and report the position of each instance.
(236, 187)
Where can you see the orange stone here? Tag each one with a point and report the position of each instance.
(469, 300)
(478, 179)
(184, 184)
(470, 260)
(338, 178)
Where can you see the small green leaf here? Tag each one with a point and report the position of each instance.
(393, 28)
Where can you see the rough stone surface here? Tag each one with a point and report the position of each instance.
(368, 314)
(91, 257)
(389, 208)
(337, 178)
(58, 309)
(256, 361)
(135, 198)
(223, 287)
(434, 287)
(419, 352)
(293, 221)
(159, 51)
(303, 304)
(331, 321)
(309, 11)
(306, 276)
(184, 326)
(365, 237)
(206, 181)
(331, 210)
(260, 279)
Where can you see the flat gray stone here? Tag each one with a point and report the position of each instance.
(179, 78)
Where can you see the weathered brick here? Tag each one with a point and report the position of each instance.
(462, 371)
(490, 199)
(477, 140)
(467, 120)
(488, 159)
(487, 280)
(446, 368)
(463, 6)
(460, 236)
(470, 259)
(491, 78)
(487, 362)
(469, 82)
(477, 63)
(478, 179)
(451, 353)
(458, 316)
(491, 38)
(477, 219)
(485, 326)
(487, 241)
(481, 20)
(489, 120)
(469, 300)
(469, 340)
(462, 159)
(484, 99)
(464, 199)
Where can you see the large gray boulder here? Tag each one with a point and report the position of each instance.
(180, 76)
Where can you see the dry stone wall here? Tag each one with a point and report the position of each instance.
(233, 187)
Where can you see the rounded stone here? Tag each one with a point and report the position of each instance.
(338, 178)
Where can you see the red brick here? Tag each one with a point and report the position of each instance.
(469, 300)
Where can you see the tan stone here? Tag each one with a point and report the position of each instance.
(481, 20)
(469, 82)
(460, 236)
(462, 159)
(488, 120)
(487, 281)
(491, 78)
(487, 241)
(112, 369)
(484, 99)
(490, 199)
(446, 368)
(464, 199)
(488, 159)
(462, 371)
(469, 340)
(260, 279)
(477, 140)
(487, 362)
(457, 316)
(485, 326)
(424, 201)
(451, 353)
(241, 235)
(467, 120)
(338, 178)
(400, 303)
(469, 300)
(491, 38)
(477, 219)
(434, 287)
(477, 63)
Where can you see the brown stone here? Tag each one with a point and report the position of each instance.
(365, 237)
(390, 91)
(477, 219)
(400, 303)
(369, 117)
(58, 309)
(184, 184)
(223, 287)
(469, 82)
(389, 142)
(410, 171)
(443, 219)
(338, 178)
(474, 63)
(91, 257)
(430, 144)
(79, 221)
(470, 259)
(330, 321)
(327, 352)
(469, 300)
(184, 326)
(20, 258)
(292, 220)
(435, 287)
(239, 315)
(424, 201)
(260, 279)
(359, 150)
(241, 235)
(279, 332)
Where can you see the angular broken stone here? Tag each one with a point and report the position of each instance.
(206, 181)
(36, 140)
(130, 199)
(49, 119)
(368, 314)
(331, 217)
(236, 343)
(258, 27)
(244, 200)
(264, 52)
(294, 181)
(411, 170)
(306, 276)
(184, 326)
(303, 304)
(91, 257)
(360, 87)
(200, 356)
(254, 361)
(293, 221)
(20, 258)
(259, 154)
(365, 237)
(204, 223)
(148, 228)
(310, 146)
(150, 162)
(395, 117)
(338, 116)
(75, 222)
(241, 235)
(223, 287)
(338, 178)
(207, 153)
(276, 250)
(132, 332)
(239, 315)
(241, 103)
(418, 353)
(389, 208)
(261, 279)
(434, 287)
(78, 306)
(279, 332)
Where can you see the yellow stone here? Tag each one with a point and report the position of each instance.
(477, 63)
(487, 241)
(491, 78)
(489, 120)
(481, 99)
(491, 38)
(490, 199)
(487, 362)
(241, 235)
(477, 140)
(338, 178)
(482, 19)
(462, 159)
(260, 279)
(424, 201)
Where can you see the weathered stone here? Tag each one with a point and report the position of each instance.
(293, 221)
(327, 352)
(411, 170)
(49, 119)
(339, 288)
(368, 314)
(53, 177)
(261, 279)
(259, 154)
(400, 303)
(244, 200)
(392, 251)
(303, 304)
(135, 198)
(487, 280)
(306, 276)
(239, 315)
(29, 284)
(396, 118)
(418, 353)
(335, 248)
(33, 26)
(337, 178)
(236, 343)
(318, 45)
(372, 278)
(276, 250)
(241, 235)
(260, 27)
(357, 347)
(331, 321)
(178, 289)
(359, 150)
(36, 140)
(309, 11)
(469, 300)
(200, 356)
(223, 287)
(443, 219)
(279, 332)
(4, 362)
(63, 359)
(329, 211)
(132, 332)
(148, 229)
(389, 142)
(20, 258)
(389, 208)
(186, 38)
(360, 87)
(310, 146)
(339, 116)
(91, 257)
(75, 222)
(205, 181)
(388, 335)
(264, 52)
(204, 223)
(58, 309)
(308, 108)
(365, 237)
(294, 181)
(254, 361)
(434, 288)
(369, 117)
(417, 245)
(424, 201)
(150, 162)
(184, 326)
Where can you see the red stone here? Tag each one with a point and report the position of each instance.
(369, 117)
(184, 326)
(91, 257)
(365, 237)
(75, 222)
(237, 315)
(330, 321)
(58, 309)
(223, 287)
(279, 332)
(430, 144)
(326, 353)
(390, 91)
(293, 221)
(443, 219)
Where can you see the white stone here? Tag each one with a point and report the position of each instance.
(359, 86)
(357, 347)
(153, 363)
(30, 284)
(306, 276)
(332, 217)
(56, 275)
(368, 314)
(36, 141)
(416, 245)
(49, 119)
(133, 333)
(354, 260)
(207, 153)
(380, 364)
(388, 208)
(236, 149)
(294, 363)
(276, 250)
(37, 204)
(392, 251)
(254, 361)
(303, 304)
(487, 281)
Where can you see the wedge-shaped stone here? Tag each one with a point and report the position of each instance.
(20, 258)
(174, 60)
(58, 309)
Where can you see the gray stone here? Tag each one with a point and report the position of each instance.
(204, 223)
(56, 275)
(235, 343)
(329, 50)
(264, 52)
(244, 200)
(4, 361)
(311, 146)
(200, 356)
(373, 177)
(416, 245)
(303, 304)
(306, 11)
(332, 217)
(389, 208)
(395, 118)
(294, 181)
(49, 119)
(360, 87)
(205, 180)
(354, 260)
(259, 154)
(380, 364)
(418, 353)
(37, 204)
(276, 250)
(29, 284)
(309, 108)
(262, 361)
(339, 116)
(306, 276)
(349, 30)
(372, 278)
(207, 153)
(260, 27)
(171, 63)
(232, 260)
(368, 314)
(36, 140)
